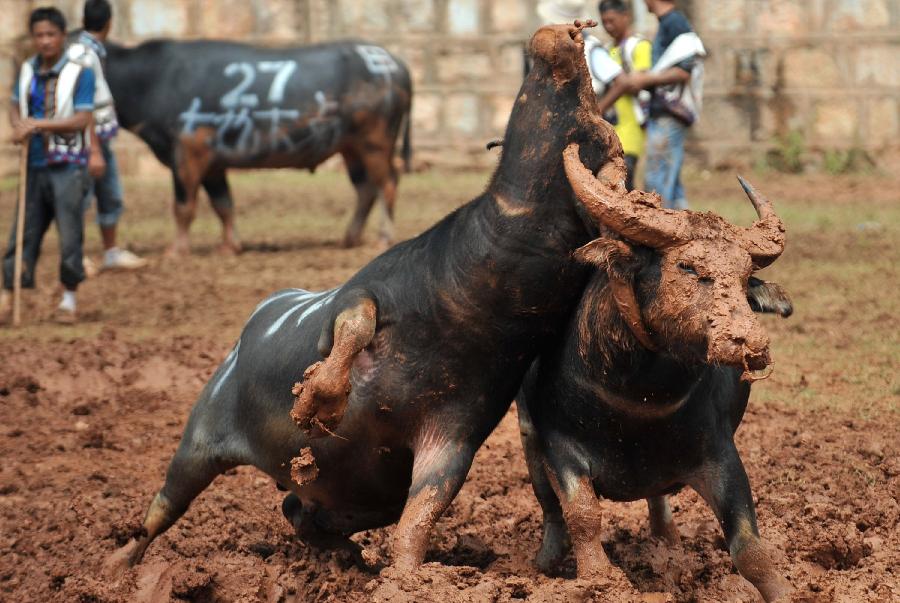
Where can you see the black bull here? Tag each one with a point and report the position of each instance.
(205, 106)
(430, 339)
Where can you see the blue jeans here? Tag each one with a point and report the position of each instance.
(665, 154)
(107, 189)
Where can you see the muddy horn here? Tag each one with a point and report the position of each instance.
(637, 216)
(765, 239)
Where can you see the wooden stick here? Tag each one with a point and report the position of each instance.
(20, 232)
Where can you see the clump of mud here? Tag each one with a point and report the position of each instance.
(303, 467)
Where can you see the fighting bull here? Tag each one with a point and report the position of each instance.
(413, 361)
(206, 106)
(643, 393)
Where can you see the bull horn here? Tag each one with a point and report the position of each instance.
(636, 216)
(764, 241)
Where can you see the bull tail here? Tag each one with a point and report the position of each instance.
(406, 151)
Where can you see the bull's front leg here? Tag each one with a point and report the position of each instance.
(440, 466)
(583, 514)
(662, 525)
(322, 395)
(725, 487)
(554, 538)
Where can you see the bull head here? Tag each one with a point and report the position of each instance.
(698, 299)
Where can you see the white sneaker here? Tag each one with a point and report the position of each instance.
(122, 259)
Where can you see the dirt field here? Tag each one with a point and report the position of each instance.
(91, 414)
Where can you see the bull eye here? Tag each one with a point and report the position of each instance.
(685, 267)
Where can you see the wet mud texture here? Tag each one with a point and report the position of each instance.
(86, 443)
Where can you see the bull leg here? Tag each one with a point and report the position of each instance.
(583, 515)
(321, 398)
(439, 470)
(366, 192)
(185, 210)
(190, 472)
(726, 489)
(661, 523)
(216, 185)
(555, 538)
(389, 198)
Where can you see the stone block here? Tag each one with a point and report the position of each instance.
(469, 67)
(725, 15)
(723, 119)
(415, 15)
(811, 68)
(360, 18)
(227, 19)
(878, 65)
(427, 114)
(836, 122)
(463, 17)
(883, 121)
(509, 15)
(461, 113)
(155, 18)
(788, 17)
(859, 14)
(511, 59)
(501, 107)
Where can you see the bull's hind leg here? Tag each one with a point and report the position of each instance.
(322, 396)
(555, 541)
(661, 523)
(366, 192)
(725, 487)
(216, 185)
(440, 466)
(195, 464)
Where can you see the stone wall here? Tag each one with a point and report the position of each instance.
(825, 68)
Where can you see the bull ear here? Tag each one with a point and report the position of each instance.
(770, 298)
(621, 264)
(616, 257)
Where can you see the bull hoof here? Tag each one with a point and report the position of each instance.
(123, 559)
(351, 241)
(231, 248)
(176, 251)
(554, 546)
(776, 589)
(667, 532)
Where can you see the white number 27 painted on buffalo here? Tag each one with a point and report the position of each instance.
(239, 97)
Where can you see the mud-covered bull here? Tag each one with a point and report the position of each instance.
(424, 348)
(206, 106)
(643, 394)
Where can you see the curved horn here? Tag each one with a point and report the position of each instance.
(765, 239)
(636, 216)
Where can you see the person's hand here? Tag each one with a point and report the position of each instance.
(23, 129)
(96, 165)
(637, 81)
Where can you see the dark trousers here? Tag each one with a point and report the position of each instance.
(55, 192)
(630, 166)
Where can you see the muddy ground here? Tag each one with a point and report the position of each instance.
(91, 414)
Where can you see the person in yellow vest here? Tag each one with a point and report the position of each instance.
(633, 53)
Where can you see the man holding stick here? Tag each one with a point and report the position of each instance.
(51, 109)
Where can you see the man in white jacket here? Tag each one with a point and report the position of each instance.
(676, 85)
(90, 52)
